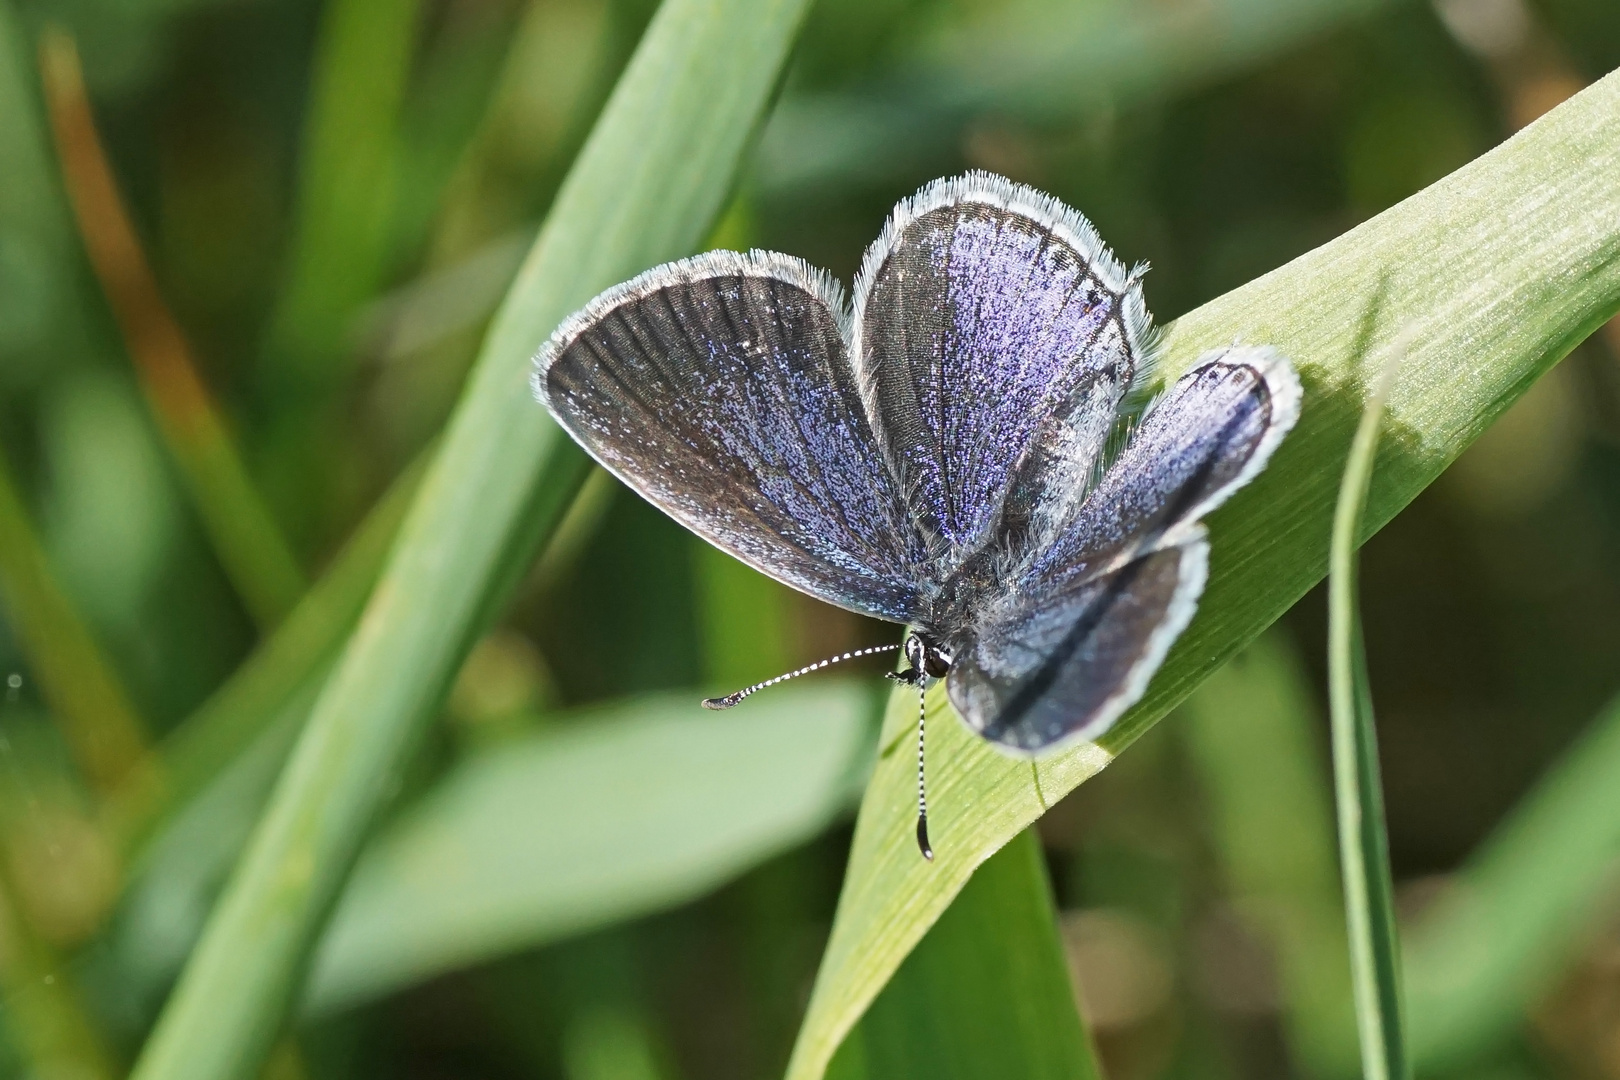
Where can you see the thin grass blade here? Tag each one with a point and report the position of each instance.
(1369, 892)
(345, 190)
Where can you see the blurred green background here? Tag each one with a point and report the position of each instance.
(214, 371)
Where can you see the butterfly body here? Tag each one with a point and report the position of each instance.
(964, 449)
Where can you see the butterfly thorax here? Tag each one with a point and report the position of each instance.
(957, 607)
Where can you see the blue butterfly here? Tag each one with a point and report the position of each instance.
(960, 452)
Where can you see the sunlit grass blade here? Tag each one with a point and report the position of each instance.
(1522, 905)
(84, 692)
(345, 186)
(648, 183)
(1500, 269)
(1369, 891)
(1252, 732)
(633, 809)
(249, 543)
(986, 994)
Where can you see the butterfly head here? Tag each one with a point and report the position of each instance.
(926, 655)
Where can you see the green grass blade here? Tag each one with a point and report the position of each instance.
(345, 192)
(1251, 729)
(84, 693)
(648, 183)
(634, 809)
(236, 714)
(1502, 268)
(1369, 892)
(1520, 908)
(986, 994)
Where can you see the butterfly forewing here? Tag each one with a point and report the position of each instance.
(720, 388)
(991, 322)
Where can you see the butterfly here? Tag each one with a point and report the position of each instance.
(965, 450)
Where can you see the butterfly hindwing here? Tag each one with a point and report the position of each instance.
(989, 317)
(720, 388)
(1075, 632)
(1064, 666)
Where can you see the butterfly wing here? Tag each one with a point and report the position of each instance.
(1206, 436)
(1065, 668)
(1072, 641)
(720, 388)
(990, 320)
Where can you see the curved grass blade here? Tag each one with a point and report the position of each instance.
(1501, 268)
(1369, 892)
(649, 181)
(636, 808)
(986, 995)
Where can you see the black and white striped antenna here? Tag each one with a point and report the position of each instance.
(731, 699)
(916, 676)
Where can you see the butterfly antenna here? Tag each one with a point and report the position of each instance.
(731, 699)
(922, 788)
